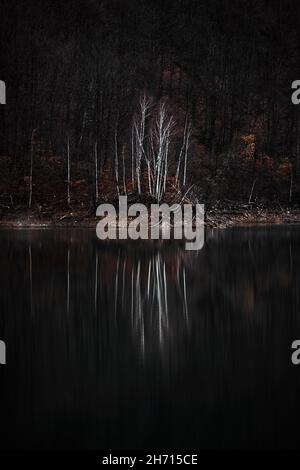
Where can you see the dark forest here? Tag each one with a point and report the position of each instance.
(153, 99)
(149, 228)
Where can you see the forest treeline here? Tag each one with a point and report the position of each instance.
(77, 72)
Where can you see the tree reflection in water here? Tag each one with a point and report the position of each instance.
(150, 290)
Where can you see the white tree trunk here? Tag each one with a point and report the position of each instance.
(252, 189)
(69, 171)
(124, 171)
(96, 172)
(291, 184)
(31, 168)
(117, 162)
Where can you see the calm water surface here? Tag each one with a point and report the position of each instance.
(135, 346)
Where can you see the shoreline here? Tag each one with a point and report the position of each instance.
(214, 219)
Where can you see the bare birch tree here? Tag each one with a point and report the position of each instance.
(139, 126)
(117, 162)
(161, 139)
(124, 170)
(151, 139)
(96, 172)
(68, 171)
(183, 155)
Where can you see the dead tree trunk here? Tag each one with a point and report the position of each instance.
(31, 168)
(69, 171)
(96, 172)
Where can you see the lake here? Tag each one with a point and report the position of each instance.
(140, 346)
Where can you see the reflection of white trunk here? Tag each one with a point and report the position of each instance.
(117, 286)
(123, 283)
(30, 279)
(185, 295)
(150, 302)
(68, 282)
(96, 282)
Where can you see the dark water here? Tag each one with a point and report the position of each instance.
(135, 346)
